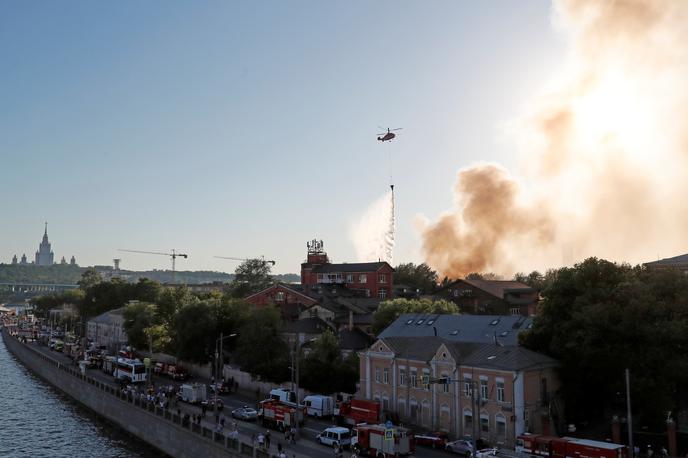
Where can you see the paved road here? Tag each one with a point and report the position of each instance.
(306, 446)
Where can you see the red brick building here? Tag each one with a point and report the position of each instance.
(371, 279)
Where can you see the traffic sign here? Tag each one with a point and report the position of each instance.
(389, 434)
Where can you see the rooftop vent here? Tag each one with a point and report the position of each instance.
(420, 321)
(410, 321)
(494, 322)
(504, 333)
(454, 332)
(431, 321)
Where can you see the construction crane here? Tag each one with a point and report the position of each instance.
(262, 258)
(174, 255)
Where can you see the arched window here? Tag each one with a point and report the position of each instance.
(500, 423)
(467, 422)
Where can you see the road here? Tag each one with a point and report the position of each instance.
(305, 447)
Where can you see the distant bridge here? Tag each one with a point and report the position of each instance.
(36, 287)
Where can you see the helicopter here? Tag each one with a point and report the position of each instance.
(385, 137)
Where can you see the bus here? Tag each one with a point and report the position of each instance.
(131, 370)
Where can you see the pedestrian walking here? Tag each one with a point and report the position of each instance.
(292, 435)
(261, 440)
(267, 439)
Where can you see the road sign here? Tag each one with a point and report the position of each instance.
(389, 434)
(389, 424)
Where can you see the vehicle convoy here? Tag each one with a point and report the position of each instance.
(319, 406)
(357, 411)
(277, 415)
(193, 393)
(532, 445)
(382, 441)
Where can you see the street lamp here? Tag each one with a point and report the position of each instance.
(218, 342)
(296, 353)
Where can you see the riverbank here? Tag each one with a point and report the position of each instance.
(158, 427)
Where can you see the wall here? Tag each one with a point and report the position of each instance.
(159, 428)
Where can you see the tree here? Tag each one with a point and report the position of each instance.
(534, 279)
(138, 317)
(325, 371)
(484, 276)
(598, 318)
(251, 276)
(261, 351)
(420, 277)
(388, 311)
(193, 333)
(89, 278)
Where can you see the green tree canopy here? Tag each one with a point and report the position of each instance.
(261, 351)
(598, 318)
(138, 317)
(388, 311)
(251, 276)
(325, 371)
(420, 277)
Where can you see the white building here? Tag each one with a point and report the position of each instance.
(107, 329)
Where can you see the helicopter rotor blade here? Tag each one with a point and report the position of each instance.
(399, 128)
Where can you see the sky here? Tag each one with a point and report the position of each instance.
(246, 129)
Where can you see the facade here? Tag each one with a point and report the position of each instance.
(491, 297)
(679, 263)
(493, 393)
(107, 329)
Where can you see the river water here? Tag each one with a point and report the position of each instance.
(36, 420)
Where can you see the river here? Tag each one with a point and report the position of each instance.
(36, 420)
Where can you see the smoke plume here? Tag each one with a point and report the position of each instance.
(373, 235)
(603, 156)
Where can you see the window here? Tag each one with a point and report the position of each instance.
(385, 403)
(377, 374)
(454, 332)
(526, 420)
(455, 293)
(494, 322)
(420, 321)
(500, 390)
(467, 386)
(501, 427)
(402, 377)
(515, 311)
(320, 277)
(367, 293)
(484, 423)
(430, 321)
(279, 297)
(426, 378)
(382, 293)
(445, 386)
(382, 278)
(467, 422)
(483, 389)
(349, 278)
(362, 278)
(385, 376)
(414, 378)
(410, 321)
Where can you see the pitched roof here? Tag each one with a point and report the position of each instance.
(508, 358)
(350, 267)
(499, 287)
(415, 348)
(289, 288)
(111, 316)
(306, 325)
(460, 328)
(354, 339)
(668, 262)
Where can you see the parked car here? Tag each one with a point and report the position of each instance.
(460, 447)
(435, 440)
(335, 434)
(210, 403)
(245, 413)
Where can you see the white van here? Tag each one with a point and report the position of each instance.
(319, 406)
(285, 396)
(337, 434)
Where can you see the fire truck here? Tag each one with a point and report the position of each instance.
(357, 411)
(277, 415)
(535, 446)
(382, 441)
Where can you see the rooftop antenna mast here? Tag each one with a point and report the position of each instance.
(174, 255)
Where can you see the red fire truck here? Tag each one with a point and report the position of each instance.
(277, 415)
(533, 445)
(357, 411)
(382, 441)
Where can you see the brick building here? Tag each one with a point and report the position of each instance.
(491, 297)
(496, 391)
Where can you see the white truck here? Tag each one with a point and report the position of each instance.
(284, 396)
(318, 405)
(193, 393)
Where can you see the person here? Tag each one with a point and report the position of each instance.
(282, 454)
(204, 409)
(664, 452)
(261, 440)
(649, 451)
(636, 450)
(292, 435)
(267, 439)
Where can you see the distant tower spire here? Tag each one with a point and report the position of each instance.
(46, 228)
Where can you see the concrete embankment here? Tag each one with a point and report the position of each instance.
(158, 427)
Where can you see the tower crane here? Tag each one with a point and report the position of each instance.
(262, 258)
(174, 255)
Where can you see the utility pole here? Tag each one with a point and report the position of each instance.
(474, 387)
(629, 419)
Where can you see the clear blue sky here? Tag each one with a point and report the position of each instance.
(244, 129)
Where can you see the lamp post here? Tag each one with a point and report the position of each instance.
(296, 353)
(218, 342)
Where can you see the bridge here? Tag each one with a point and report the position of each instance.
(19, 287)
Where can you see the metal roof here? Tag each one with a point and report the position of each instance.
(460, 328)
